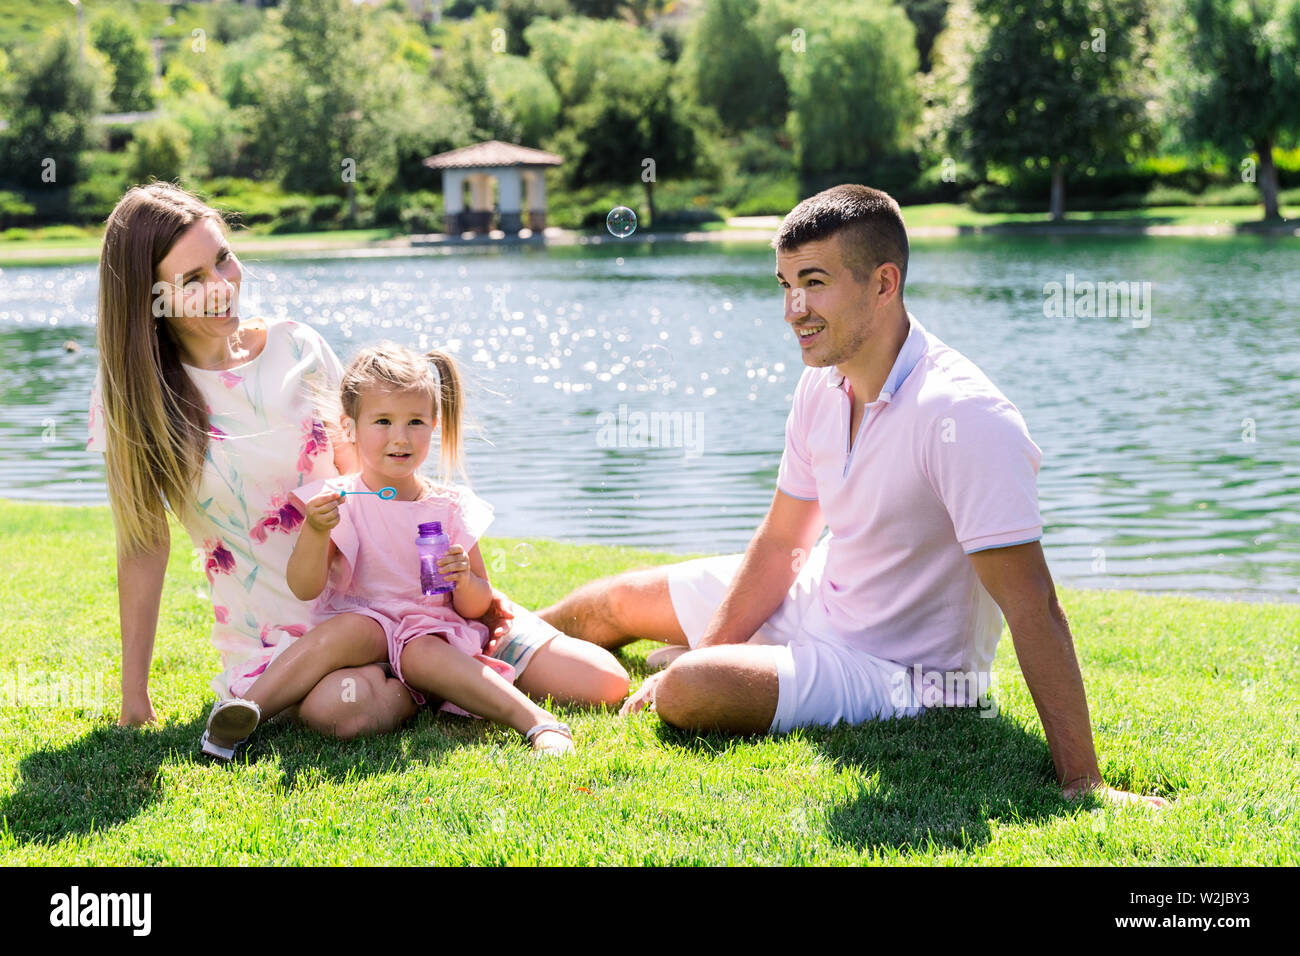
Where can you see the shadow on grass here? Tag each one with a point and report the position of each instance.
(931, 781)
(112, 774)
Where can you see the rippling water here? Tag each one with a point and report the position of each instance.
(1171, 447)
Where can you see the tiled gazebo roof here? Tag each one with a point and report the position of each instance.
(492, 153)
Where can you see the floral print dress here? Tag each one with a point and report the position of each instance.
(267, 437)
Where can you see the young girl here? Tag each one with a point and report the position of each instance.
(356, 554)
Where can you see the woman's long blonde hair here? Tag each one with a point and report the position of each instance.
(154, 415)
(390, 367)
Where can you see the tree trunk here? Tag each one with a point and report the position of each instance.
(650, 201)
(1268, 184)
(352, 202)
(1057, 212)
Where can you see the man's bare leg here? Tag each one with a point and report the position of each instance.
(728, 687)
(356, 701)
(615, 611)
(574, 672)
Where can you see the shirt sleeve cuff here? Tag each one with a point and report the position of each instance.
(808, 497)
(1007, 539)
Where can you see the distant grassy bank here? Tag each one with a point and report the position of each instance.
(72, 244)
(1190, 699)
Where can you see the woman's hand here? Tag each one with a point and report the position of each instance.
(137, 711)
(323, 510)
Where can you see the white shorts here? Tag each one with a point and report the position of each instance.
(821, 680)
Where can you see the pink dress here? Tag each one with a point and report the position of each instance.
(267, 437)
(377, 569)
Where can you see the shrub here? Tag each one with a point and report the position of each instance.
(422, 212)
(294, 216)
(768, 196)
(15, 210)
(160, 149)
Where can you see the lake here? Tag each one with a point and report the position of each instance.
(1167, 404)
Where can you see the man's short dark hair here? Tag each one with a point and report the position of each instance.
(869, 222)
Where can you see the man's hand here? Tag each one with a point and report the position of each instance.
(496, 619)
(136, 712)
(644, 695)
(323, 510)
(1119, 798)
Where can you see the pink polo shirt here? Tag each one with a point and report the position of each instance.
(943, 466)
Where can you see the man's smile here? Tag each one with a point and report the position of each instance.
(809, 334)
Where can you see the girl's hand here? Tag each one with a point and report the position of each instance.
(454, 566)
(323, 510)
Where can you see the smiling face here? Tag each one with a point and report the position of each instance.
(832, 313)
(196, 289)
(393, 431)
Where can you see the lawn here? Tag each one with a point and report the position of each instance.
(1190, 699)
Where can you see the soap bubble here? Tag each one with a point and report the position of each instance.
(524, 554)
(621, 222)
(653, 363)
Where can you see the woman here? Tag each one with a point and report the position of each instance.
(217, 419)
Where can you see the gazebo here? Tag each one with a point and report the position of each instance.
(520, 174)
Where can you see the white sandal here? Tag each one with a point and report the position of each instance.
(235, 718)
(552, 751)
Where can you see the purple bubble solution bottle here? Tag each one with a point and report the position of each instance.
(433, 544)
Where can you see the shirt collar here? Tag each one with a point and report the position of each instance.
(911, 352)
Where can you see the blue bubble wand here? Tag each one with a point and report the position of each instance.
(384, 493)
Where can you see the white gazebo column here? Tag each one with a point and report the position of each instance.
(510, 199)
(453, 204)
(536, 199)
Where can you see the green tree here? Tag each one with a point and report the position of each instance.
(733, 66)
(54, 97)
(159, 149)
(337, 100)
(466, 69)
(118, 39)
(619, 107)
(1243, 88)
(945, 90)
(853, 95)
(219, 136)
(525, 98)
(927, 17)
(1058, 85)
(516, 15)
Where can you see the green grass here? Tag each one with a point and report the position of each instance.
(86, 246)
(1190, 699)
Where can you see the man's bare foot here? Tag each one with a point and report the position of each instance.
(1119, 798)
(661, 658)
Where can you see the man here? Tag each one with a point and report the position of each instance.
(926, 476)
